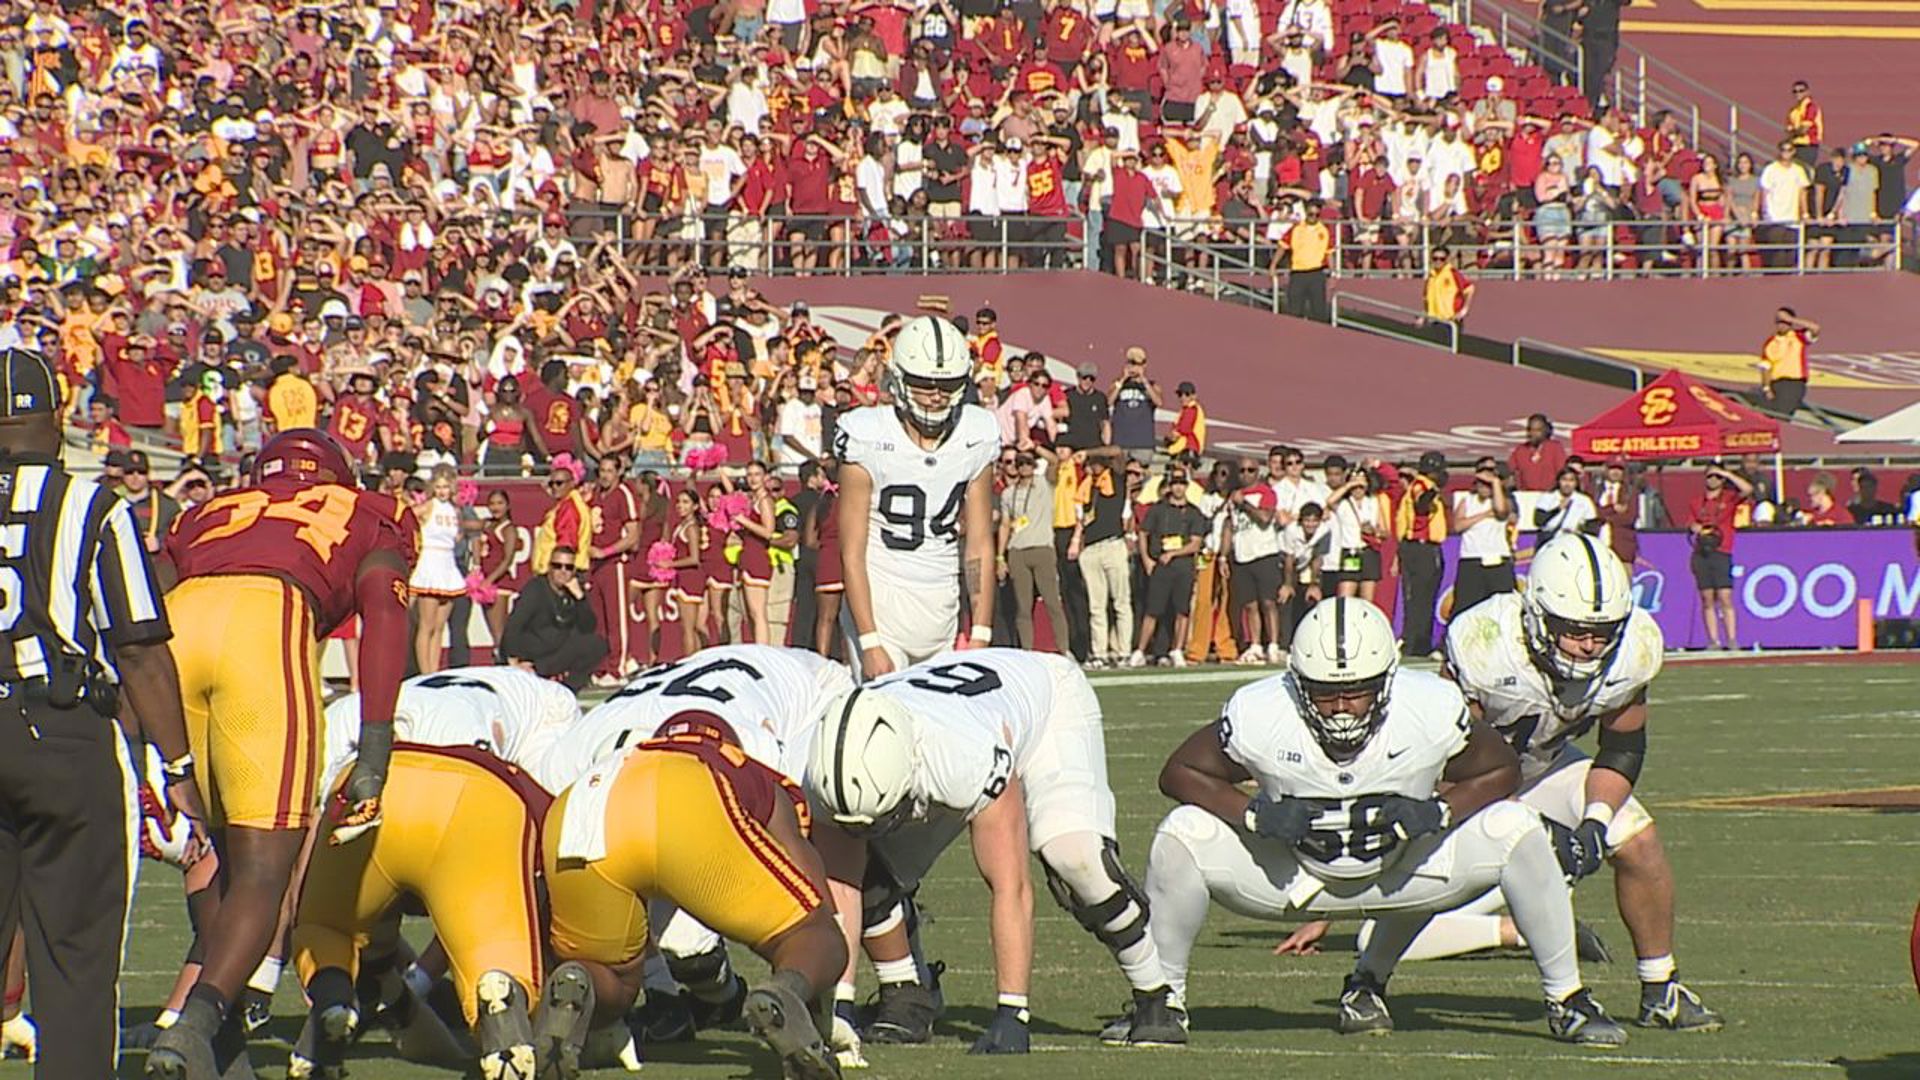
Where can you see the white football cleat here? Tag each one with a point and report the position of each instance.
(20, 1038)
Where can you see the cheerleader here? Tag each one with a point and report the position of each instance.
(757, 531)
(653, 529)
(437, 580)
(499, 554)
(690, 542)
(713, 560)
(822, 534)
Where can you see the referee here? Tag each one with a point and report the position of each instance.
(81, 622)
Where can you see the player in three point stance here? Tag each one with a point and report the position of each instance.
(1572, 653)
(912, 477)
(265, 573)
(686, 816)
(1007, 747)
(1348, 755)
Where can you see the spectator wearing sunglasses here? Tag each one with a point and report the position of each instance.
(1026, 545)
(551, 628)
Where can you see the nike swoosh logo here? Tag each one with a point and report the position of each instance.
(1391, 754)
(976, 442)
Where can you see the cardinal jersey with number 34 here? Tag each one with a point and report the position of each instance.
(1487, 653)
(1262, 729)
(918, 494)
(315, 535)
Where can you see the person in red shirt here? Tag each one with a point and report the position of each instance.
(265, 573)
(1126, 214)
(1131, 66)
(1047, 198)
(356, 416)
(139, 380)
(556, 416)
(1710, 519)
(1066, 34)
(615, 520)
(809, 178)
(1822, 509)
(1536, 462)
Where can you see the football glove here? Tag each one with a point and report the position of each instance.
(1007, 1034)
(356, 807)
(1413, 818)
(19, 1038)
(844, 1039)
(1286, 818)
(1581, 849)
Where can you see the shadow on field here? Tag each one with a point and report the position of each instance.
(1902, 1066)
(967, 1022)
(1411, 1012)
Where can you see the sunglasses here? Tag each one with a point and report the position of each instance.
(1250, 470)
(567, 566)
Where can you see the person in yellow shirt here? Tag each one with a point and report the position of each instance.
(652, 427)
(291, 399)
(1306, 247)
(1783, 361)
(1194, 156)
(1448, 294)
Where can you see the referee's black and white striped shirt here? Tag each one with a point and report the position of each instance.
(74, 575)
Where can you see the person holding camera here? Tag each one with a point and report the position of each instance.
(1481, 516)
(1711, 521)
(1564, 509)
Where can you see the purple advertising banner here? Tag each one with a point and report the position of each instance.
(1792, 588)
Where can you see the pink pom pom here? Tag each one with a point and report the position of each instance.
(660, 561)
(467, 492)
(480, 590)
(572, 465)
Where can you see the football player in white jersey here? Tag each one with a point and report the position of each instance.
(1542, 667)
(770, 696)
(913, 477)
(1348, 754)
(1007, 747)
(513, 714)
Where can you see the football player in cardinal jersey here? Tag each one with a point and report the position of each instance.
(1542, 667)
(1348, 755)
(913, 477)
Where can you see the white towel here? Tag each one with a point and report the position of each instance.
(583, 831)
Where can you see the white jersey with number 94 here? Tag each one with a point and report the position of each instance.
(1487, 653)
(918, 494)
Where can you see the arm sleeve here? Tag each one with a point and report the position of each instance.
(126, 599)
(380, 589)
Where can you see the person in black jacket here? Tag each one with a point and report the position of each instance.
(552, 628)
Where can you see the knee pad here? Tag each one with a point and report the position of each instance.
(1191, 826)
(1119, 918)
(883, 901)
(1506, 821)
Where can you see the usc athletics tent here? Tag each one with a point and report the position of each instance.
(1676, 417)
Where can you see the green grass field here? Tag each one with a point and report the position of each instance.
(1792, 922)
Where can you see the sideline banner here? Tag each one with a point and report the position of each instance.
(1792, 588)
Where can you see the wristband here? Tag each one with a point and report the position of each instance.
(1018, 1003)
(981, 634)
(1600, 812)
(869, 640)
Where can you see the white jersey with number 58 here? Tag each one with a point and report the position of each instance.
(918, 494)
(1426, 725)
(769, 696)
(1487, 653)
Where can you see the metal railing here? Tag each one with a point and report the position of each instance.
(1640, 84)
(1578, 363)
(1238, 263)
(1401, 323)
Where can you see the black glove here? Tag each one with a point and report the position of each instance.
(1285, 818)
(1413, 818)
(357, 806)
(1007, 1034)
(1581, 849)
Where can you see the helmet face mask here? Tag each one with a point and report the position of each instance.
(1340, 673)
(928, 374)
(934, 418)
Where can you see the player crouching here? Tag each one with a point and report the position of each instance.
(1348, 754)
(688, 817)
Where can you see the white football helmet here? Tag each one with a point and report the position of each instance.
(1343, 644)
(860, 765)
(930, 355)
(1575, 586)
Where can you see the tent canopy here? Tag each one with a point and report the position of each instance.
(1898, 426)
(1676, 417)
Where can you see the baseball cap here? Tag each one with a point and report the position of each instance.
(1089, 371)
(1184, 388)
(1495, 84)
(1136, 354)
(136, 462)
(30, 388)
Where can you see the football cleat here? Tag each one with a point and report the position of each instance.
(664, 1018)
(711, 1015)
(1363, 1007)
(1672, 1006)
(321, 1050)
(1579, 1019)
(566, 1007)
(779, 1016)
(20, 1038)
(257, 1008)
(1589, 946)
(504, 1031)
(179, 1053)
(904, 1015)
(1152, 1020)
